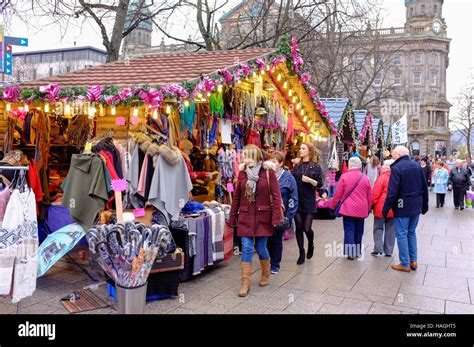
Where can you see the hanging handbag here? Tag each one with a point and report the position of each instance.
(333, 159)
(284, 223)
(338, 207)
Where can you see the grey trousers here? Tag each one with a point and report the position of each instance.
(384, 242)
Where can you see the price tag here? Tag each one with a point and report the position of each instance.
(230, 187)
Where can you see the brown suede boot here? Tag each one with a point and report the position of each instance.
(413, 265)
(400, 267)
(265, 280)
(246, 274)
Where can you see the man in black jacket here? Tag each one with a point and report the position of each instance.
(407, 196)
(459, 178)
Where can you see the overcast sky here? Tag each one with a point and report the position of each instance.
(459, 16)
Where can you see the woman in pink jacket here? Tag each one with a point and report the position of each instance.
(355, 194)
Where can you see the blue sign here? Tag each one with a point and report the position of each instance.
(16, 41)
(8, 68)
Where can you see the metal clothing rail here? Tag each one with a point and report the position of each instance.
(25, 168)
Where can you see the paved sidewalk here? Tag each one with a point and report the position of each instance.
(443, 283)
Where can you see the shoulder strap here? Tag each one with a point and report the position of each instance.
(345, 198)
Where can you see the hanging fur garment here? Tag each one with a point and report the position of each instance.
(78, 131)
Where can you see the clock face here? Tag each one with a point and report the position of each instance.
(436, 27)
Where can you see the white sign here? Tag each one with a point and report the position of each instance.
(226, 130)
(400, 131)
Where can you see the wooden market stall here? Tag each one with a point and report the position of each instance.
(341, 113)
(364, 125)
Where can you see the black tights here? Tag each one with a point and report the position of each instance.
(303, 223)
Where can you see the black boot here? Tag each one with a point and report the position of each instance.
(301, 258)
(310, 251)
(310, 236)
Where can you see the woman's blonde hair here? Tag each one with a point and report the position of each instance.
(253, 152)
(313, 154)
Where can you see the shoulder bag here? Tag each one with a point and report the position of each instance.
(338, 207)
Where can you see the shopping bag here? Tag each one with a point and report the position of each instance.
(469, 198)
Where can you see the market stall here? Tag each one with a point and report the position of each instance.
(341, 113)
(379, 145)
(148, 134)
(364, 125)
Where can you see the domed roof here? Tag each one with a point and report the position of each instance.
(136, 8)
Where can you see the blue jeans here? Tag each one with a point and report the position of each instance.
(353, 232)
(406, 238)
(248, 247)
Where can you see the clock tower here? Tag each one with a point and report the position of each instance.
(425, 16)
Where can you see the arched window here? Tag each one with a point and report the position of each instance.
(435, 10)
(423, 10)
(411, 12)
(415, 148)
(139, 40)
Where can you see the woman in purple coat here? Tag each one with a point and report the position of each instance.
(256, 210)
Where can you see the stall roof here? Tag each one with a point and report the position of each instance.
(359, 116)
(335, 107)
(375, 124)
(153, 69)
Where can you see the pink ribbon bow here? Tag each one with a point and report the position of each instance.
(11, 93)
(94, 92)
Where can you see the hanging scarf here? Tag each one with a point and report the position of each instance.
(238, 137)
(213, 132)
(252, 179)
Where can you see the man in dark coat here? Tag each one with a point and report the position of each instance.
(459, 178)
(408, 197)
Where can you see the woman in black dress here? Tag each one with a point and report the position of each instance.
(308, 176)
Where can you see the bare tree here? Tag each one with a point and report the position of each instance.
(259, 23)
(463, 121)
(109, 16)
(349, 56)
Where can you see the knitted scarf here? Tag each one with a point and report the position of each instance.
(252, 179)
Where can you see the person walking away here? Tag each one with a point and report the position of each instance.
(331, 182)
(372, 170)
(289, 196)
(354, 193)
(255, 210)
(451, 162)
(383, 242)
(459, 178)
(426, 171)
(407, 196)
(440, 179)
(308, 175)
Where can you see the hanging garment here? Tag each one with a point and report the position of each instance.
(238, 137)
(4, 198)
(227, 99)
(253, 137)
(290, 133)
(174, 128)
(35, 183)
(216, 104)
(238, 103)
(86, 191)
(213, 131)
(42, 141)
(133, 176)
(278, 114)
(187, 115)
(284, 120)
(278, 140)
(142, 180)
(170, 186)
(19, 246)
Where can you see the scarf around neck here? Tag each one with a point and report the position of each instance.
(252, 179)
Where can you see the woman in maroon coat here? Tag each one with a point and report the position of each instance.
(256, 210)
